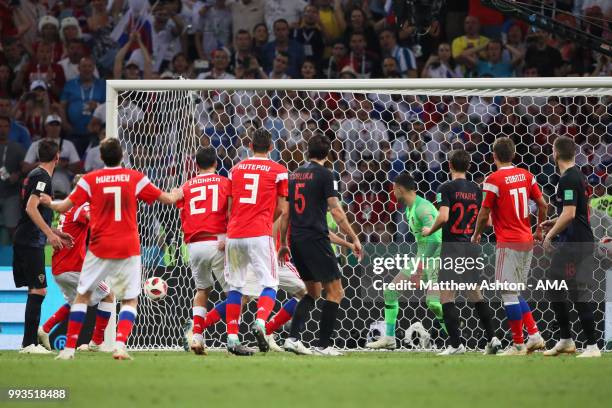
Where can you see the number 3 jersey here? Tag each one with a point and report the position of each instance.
(256, 184)
(204, 205)
(463, 199)
(507, 194)
(112, 194)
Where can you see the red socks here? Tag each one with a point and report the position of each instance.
(127, 315)
(102, 316)
(199, 316)
(529, 323)
(59, 316)
(75, 323)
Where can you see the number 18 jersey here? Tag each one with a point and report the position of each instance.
(507, 194)
(463, 199)
(256, 184)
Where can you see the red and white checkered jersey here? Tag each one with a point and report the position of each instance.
(112, 194)
(76, 223)
(256, 184)
(507, 194)
(204, 205)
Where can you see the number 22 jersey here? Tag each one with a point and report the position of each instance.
(463, 199)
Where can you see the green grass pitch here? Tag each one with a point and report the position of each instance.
(362, 379)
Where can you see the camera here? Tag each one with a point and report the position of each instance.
(417, 13)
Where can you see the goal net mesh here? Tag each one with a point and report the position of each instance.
(375, 135)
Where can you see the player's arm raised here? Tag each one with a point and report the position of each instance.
(336, 210)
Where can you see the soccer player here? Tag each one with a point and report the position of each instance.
(573, 256)
(507, 194)
(66, 265)
(204, 215)
(32, 233)
(459, 201)
(420, 213)
(312, 191)
(259, 196)
(114, 247)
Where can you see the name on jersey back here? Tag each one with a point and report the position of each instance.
(113, 178)
(515, 178)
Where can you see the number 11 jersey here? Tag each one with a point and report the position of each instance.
(463, 199)
(256, 184)
(507, 194)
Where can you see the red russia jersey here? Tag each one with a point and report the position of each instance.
(204, 205)
(76, 223)
(112, 194)
(507, 194)
(256, 184)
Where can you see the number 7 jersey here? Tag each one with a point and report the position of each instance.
(112, 193)
(507, 194)
(256, 184)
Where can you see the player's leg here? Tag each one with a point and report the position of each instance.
(583, 299)
(432, 298)
(288, 280)
(126, 283)
(560, 307)
(301, 315)
(67, 282)
(105, 301)
(535, 340)
(236, 260)
(29, 270)
(485, 315)
(94, 271)
(334, 293)
(451, 321)
(507, 270)
(391, 311)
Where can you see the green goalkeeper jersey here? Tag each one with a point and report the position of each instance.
(423, 214)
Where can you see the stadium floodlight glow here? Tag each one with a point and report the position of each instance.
(410, 122)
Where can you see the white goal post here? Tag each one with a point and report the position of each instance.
(378, 128)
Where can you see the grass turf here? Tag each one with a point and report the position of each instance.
(385, 379)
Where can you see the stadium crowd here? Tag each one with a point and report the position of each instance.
(56, 55)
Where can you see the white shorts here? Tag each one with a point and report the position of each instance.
(68, 282)
(257, 253)
(288, 280)
(123, 275)
(206, 259)
(512, 266)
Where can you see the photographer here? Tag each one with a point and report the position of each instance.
(539, 54)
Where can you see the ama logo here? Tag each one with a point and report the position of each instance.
(60, 342)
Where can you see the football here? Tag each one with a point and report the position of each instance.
(156, 288)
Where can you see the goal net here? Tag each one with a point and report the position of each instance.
(378, 129)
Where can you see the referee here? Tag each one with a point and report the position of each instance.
(32, 233)
(312, 191)
(572, 260)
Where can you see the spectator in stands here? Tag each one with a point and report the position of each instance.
(404, 56)
(539, 54)
(221, 59)
(280, 66)
(80, 11)
(442, 64)
(260, 39)
(79, 99)
(17, 132)
(288, 10)
(390, 69)
(93, 161)
(331, 16)
(44, 69)
(166, 35)
(309, 34)
(11, 158)
(26, 14)
(74, 52)
(359, 23)
(309, 69)
(471, 39)
(220, 130)
(104, 47)
(360, 59)
(15, 56)
(69, 163)
(6, 82)
(69, 30)
(139, 65)
(514, 37)
(246, 14)
(181, 67)
(332, 67)
(48, 29)
(293, 49)
(213, 25)
(243, 50)
(493, 65)
(33, 108)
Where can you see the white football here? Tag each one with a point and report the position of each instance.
(156, 288)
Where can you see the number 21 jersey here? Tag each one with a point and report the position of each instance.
(256, 184)
(507, 194)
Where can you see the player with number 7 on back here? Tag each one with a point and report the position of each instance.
(114, 246)
(507, 194)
